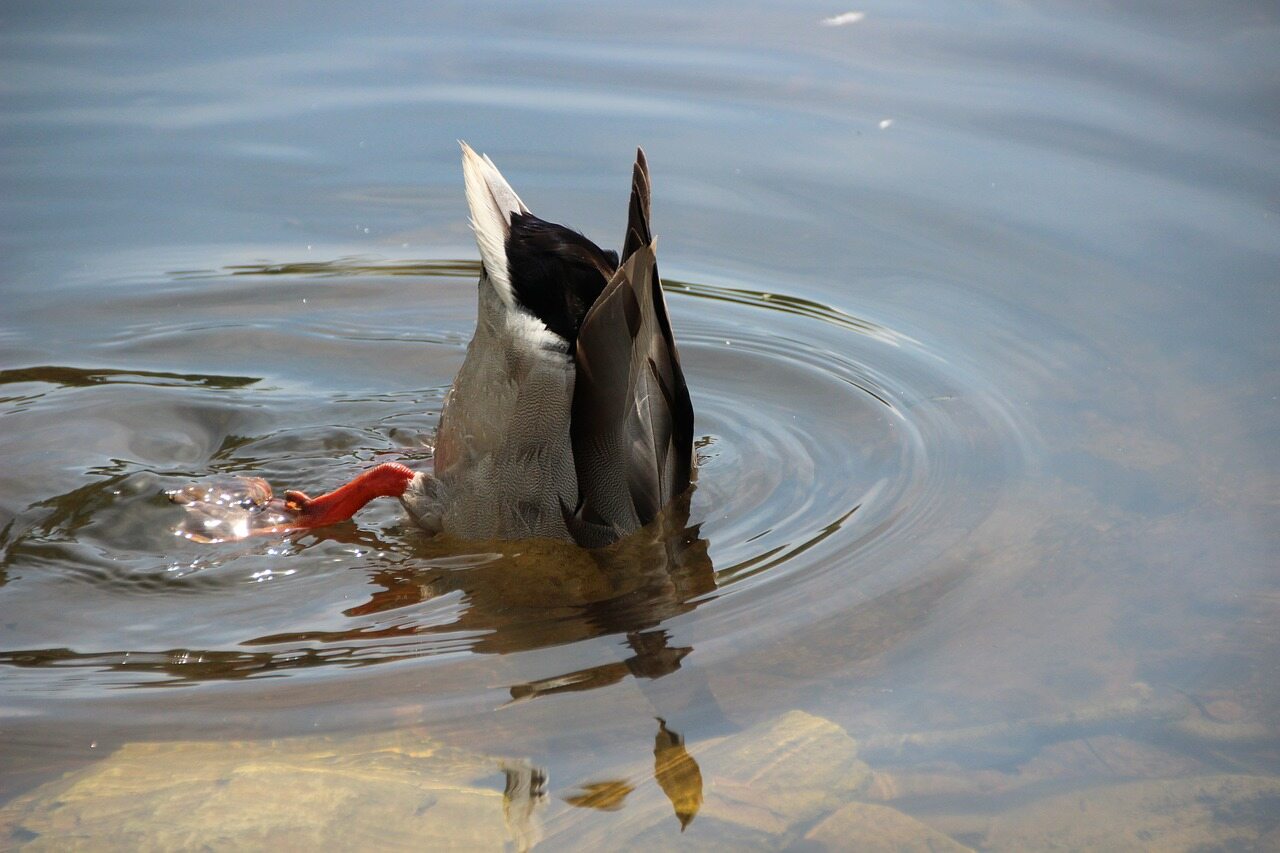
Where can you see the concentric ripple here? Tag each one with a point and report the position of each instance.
(834, 444)
(837, 456)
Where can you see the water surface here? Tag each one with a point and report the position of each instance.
(978, 309)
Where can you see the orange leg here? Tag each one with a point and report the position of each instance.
(388, 480)
(228, 508)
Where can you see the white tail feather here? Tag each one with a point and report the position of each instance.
(492, 201)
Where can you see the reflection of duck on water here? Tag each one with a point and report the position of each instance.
(528, 595)
(569, 418)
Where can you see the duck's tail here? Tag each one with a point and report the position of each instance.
(632, 425)
(492, 203)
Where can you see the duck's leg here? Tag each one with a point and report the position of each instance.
(225, 509)
(388, 480)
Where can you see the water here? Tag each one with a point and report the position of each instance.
(977, 306)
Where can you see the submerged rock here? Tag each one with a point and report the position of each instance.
(756, 789)
(796, 768)
(299, 793)
(870, 828)
(794, 781)
(1203, 812)
(1102, 758)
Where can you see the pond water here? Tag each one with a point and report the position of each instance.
(978, 308)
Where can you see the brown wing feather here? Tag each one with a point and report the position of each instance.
(632, 424)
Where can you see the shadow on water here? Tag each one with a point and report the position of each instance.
(540, 593)
(677, 774)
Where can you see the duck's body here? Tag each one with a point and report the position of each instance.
(504, 463)
(569, 418)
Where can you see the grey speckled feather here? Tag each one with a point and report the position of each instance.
(503, 457)
(542, 438)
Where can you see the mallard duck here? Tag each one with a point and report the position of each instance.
(570, 418)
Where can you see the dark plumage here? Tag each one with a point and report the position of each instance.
(556, 272)
(632, 423)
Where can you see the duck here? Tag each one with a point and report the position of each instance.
(569, 419)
